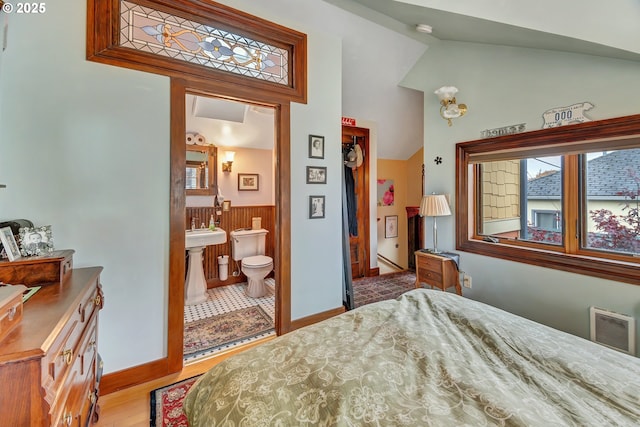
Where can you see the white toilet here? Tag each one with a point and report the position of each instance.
(248, 246)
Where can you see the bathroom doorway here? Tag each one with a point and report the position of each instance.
(228, 318)
(281, 232)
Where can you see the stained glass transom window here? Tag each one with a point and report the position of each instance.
(160, 33)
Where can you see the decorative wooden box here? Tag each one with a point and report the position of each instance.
(10, 308)
(38, 270)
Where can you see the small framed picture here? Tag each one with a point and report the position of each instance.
(248, 182)
(9, 243)
(226, 205)
(36, 240)
(316, 207)
(316, 147)
(390, 226)
(316, 175)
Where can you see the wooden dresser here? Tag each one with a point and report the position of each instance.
(437, 270)
(49, 363)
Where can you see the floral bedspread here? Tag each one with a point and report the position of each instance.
(430, 358)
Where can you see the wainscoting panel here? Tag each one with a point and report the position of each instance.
(237, 217)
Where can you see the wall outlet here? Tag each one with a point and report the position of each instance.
(466, 281)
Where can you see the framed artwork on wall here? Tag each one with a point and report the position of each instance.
(390, 226)
(316, 147)
(316, 207)
(248, 182)
(316, 175)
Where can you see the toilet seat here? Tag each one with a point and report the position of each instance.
(256, 261)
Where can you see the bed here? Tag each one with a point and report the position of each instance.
(429, 358)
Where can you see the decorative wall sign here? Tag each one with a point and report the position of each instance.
(561, 116)
(505, 130)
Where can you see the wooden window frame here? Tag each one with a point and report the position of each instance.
(612, 134)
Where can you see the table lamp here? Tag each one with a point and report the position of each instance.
(434, 205)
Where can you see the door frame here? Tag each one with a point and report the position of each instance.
(282, 264)
(350, 131)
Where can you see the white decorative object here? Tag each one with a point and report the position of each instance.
(561, 116)
(505, 130)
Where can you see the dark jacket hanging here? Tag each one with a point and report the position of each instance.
(351, 201)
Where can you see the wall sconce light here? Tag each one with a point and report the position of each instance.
(450, 109)
(228, 157)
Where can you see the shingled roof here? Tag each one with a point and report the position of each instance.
(607, 176)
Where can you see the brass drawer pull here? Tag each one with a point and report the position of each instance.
(97, 300)
(67, 355)
(12, 312)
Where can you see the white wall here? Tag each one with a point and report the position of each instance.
(247, 160)
(85, 147)
(504, 86)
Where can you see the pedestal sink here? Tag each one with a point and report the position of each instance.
(195, 288)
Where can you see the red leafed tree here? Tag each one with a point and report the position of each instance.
(619, 232)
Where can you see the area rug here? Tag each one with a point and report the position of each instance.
(385, 286)
(222, 330)
(166, 404)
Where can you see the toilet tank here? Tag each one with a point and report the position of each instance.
(245, 243)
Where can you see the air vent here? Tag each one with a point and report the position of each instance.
(613, 330)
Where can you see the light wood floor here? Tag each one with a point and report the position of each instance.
(130, 407)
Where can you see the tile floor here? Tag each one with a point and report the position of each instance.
(225, 299)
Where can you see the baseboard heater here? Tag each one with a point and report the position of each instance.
(613, 330)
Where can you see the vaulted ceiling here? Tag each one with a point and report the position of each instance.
(368, 27)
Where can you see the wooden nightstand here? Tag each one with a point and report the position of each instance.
(436, 270)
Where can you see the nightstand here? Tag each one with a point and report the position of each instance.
(437, 270)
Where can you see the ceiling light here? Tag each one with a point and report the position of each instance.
(424, 28)
(449, 108)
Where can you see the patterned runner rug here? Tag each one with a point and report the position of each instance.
(166, 404)
(213, 332)
(385, 286)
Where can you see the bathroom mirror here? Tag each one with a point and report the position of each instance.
(201, 175)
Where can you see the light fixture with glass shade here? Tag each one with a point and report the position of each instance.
(228, 156)
(449, 108)
(435, 205)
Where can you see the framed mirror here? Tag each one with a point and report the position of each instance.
(202, 173)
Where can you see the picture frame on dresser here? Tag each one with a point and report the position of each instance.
(9, 244)
(36, 241)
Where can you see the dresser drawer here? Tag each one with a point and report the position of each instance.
(429, 263)
(79, 381)
(10, 308)
(64, 351)
(426, 274)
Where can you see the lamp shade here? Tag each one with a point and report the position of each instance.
(434, 205)
(446, 93)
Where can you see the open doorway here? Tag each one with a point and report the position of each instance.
(229, 313)
(280, 155)
(355, 142)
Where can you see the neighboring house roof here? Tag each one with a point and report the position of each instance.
(607, 176)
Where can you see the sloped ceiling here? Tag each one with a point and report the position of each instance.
(380, 35)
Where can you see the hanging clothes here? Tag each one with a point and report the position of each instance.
(352, 206)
